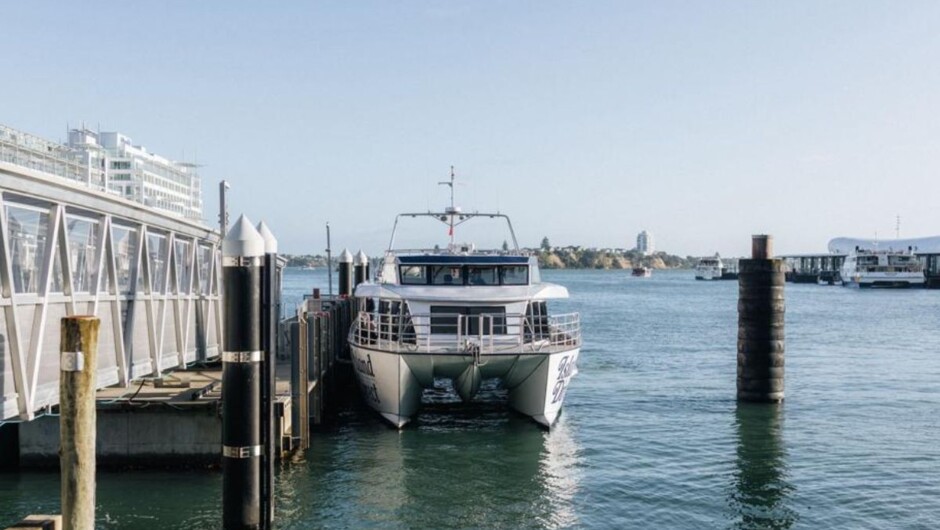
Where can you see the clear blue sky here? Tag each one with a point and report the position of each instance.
(702, 122)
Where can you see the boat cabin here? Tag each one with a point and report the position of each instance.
(461, 270)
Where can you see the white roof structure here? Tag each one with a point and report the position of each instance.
(920, 245)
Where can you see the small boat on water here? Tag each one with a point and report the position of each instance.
(462, 314)
(709, 268)
(642, 272)
(886, 269)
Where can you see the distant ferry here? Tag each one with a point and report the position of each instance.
(709, 268)
(882, 269)
(642, 272)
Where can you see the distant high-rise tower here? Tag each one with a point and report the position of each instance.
(644, 243)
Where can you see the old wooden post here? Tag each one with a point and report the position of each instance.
(78, 348)
(761, 309)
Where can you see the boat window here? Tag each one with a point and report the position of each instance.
(514, 274)
(414, 275)
(493, 320)
(482, 275)
(536, 326)
(474, 320)
(447, 275)
(389, 320)
(444, 319)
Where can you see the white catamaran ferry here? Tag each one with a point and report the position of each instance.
(709, 268)
(882, 269)
(465, 315)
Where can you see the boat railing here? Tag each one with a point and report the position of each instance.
(454, 333)
(438, 251)
(890, 269)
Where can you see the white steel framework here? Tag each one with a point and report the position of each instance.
(152, 279)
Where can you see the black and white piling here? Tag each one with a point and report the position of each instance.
(345, 273)
(761, 309)
(269, 317)
(361, 268)
(243, 251)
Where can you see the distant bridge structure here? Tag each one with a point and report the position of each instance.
(65, 249)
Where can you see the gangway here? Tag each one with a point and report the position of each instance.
(67, 248)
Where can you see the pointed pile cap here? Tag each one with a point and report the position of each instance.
(270, 242)
(361, 258)
(243, 241)
(345, 257)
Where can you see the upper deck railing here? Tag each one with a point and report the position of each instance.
(27, 150)
(484, 334)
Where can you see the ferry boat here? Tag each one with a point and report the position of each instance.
(709, 268)
(462, 314)
(882, 269)
(642, 272)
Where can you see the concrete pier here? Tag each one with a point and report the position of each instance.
(174, 422)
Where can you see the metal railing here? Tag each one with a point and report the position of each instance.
(152, 279)
(453, 333)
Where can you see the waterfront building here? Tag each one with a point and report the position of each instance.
(644, 243)
(142, 176)
(112, 163)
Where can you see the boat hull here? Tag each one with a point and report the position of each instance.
(707, 276)
(884, 284)
(392, 383)
(884, 281)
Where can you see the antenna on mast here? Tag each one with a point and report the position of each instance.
(450, 183)
(897, 228)
(453, 210)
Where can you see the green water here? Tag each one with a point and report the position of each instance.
(651, 435)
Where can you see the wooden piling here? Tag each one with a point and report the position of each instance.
(78, 348)
(761, 340)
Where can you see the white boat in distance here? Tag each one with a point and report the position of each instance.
(466, 315)
(889, 269)
(709, 268)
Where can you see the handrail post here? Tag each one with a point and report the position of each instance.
(492, 329)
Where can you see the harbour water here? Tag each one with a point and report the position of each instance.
(651, 435)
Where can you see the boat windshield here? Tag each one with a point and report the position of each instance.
(460, 274)
(446, 275)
